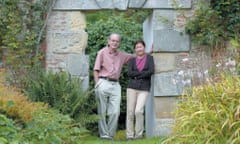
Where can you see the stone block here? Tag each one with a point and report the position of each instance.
(90, 4)
(163, 127)
(78, 21)
(169, 4)
(55, 61)
(84, 82)
(150, 115)
(170, 41)
(61, 43)
(165, 84)
(165, 106)
(76, 5)
(170, 19)
(118, 4)
(77, 64)
(164, 62)
(136, 3)
(58, 21)
(148, 33)
(66, 21)
(163, 19)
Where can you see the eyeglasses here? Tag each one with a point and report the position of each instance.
(117, 41)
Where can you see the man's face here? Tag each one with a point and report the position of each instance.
(114, 42)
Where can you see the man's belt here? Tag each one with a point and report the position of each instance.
(109, 79)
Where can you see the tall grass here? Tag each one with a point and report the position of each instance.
(211, 114)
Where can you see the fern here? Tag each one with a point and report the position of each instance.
(62, 92)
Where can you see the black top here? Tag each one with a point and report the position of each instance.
(140, 80)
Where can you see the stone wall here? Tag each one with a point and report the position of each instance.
(66, 43)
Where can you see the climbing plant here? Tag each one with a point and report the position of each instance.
(215, 22)
(20, 26)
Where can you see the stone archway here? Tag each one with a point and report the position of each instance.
(67, 40)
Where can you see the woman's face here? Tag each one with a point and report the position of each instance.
(139, 49)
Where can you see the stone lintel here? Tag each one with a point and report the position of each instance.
(120, 4)
(169, 4)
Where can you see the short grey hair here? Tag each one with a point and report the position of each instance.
(109, 37)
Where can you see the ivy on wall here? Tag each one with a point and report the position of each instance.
(215, 23)
(20, 25)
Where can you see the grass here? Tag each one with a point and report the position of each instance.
(96, 140)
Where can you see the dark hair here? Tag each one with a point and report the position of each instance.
(139, 41)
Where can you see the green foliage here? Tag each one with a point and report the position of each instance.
(135, 15)
(38, 123)
(98, 33)
(49, 126)
(210, 114)
(215, 23)
(62, 92)
(20, 24)
(8, 131)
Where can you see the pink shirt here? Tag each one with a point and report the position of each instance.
(110, 64)
(140, 62)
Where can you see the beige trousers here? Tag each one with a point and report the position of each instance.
(136, 100)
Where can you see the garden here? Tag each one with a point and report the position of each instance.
(37, 106)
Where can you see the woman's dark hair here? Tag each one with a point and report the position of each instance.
(139, 41)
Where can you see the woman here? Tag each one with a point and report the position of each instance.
(140, 69)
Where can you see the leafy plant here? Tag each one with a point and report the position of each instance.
(14, 104)
(62, 92)
(20, 26)
(49, 126)
(210, 114)
(215, 23)
(8, 131)
(33, 122)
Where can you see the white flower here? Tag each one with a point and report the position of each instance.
(230, 63)
(174, 81)
(188, 81)
(218, 65)
(206, 72)
(185, 59)
(200, 75)
(181, 73)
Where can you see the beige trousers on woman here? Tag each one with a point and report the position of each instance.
(136, 100)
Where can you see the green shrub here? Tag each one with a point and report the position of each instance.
(210, 115)
(8, 131)
(215, 23)
(62, 92)
(49, 126)
(20, 26)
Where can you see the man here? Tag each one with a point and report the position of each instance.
(107, 69)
